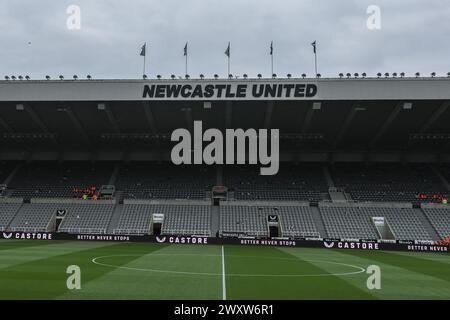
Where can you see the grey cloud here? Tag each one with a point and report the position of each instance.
(414, 37)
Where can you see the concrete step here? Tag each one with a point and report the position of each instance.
(427, 225)
(215, 220)
(318, 221)
(14, 218)
(115, 218)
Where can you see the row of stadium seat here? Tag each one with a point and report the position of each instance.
(375, 182)
(251, 220)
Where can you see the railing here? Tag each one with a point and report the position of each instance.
(83, 230)
(131, 231)
(187, 232)
(29, 229)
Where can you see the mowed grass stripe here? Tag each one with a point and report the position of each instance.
(273, 261)
(396, 282)
(136, 280)
(17, 253)
(15, 244)
(46, 278)
(335, 263)
(414, 263)
(400, 279)
(432, 256)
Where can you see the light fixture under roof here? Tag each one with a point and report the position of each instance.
(317, 105)
(407, 105)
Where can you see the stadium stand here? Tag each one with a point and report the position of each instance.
(389, 182)
(86, 218)
(301, 182)
(135, 219)
(35, 217)
(297, 222)
(348, 223)
(404, 222)
(185, 219)
(243, 220)
(56, 180)
(163, 181)
(356, 222)
(346, 156)
(440, 219)
(7, 213)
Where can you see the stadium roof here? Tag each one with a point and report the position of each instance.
(386, 119)
(132, 90)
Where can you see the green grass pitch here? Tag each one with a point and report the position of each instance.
(37, 270)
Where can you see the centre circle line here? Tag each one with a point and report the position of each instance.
(358, 269)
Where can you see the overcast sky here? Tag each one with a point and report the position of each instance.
(35, 39)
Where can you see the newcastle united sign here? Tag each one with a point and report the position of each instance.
(233, 91)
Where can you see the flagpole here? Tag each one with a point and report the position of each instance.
(186, 64)
(271, 58)
(315, 57)
(145, 53)
(229, 57)
(315, 62)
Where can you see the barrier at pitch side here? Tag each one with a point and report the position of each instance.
(371, 245)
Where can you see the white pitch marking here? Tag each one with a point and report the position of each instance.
(360, 270)
(224, 288)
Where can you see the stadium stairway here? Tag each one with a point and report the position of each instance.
(336, 195)
(14, 217)
(328, 178)
(12, 174)
(317, 217)
(428, 226)
(115, 218)
(114, 175)
(441, 177)
(215, 220)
